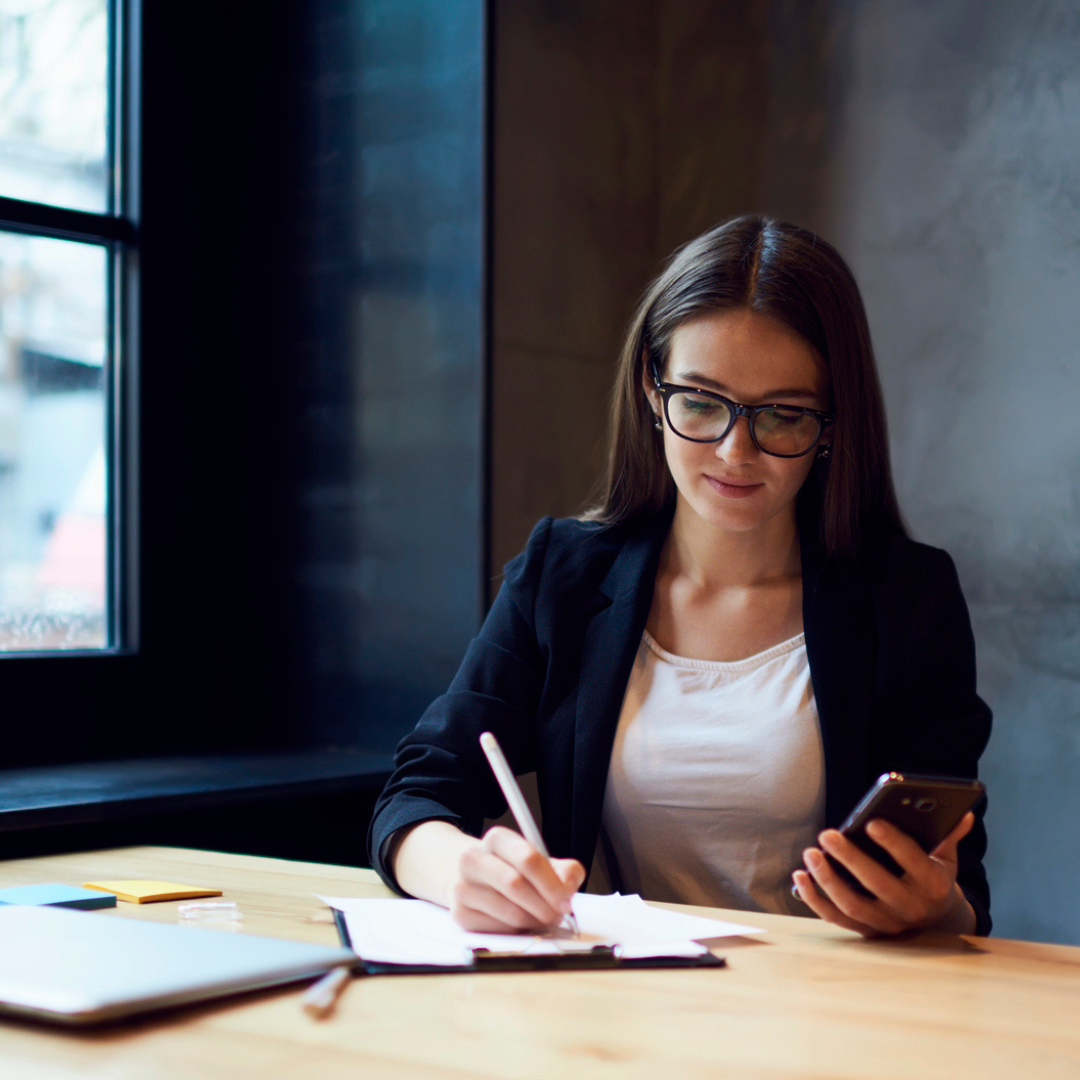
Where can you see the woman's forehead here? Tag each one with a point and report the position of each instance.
(746, 351)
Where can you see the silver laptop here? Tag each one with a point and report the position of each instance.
(82, 967)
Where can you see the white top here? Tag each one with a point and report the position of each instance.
(717, 778)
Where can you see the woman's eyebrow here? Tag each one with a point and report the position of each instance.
(693, 377)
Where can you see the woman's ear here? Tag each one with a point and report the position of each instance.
(648, 384)
(824, 446)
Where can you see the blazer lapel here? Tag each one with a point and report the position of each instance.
(611, 641)
(842, 649)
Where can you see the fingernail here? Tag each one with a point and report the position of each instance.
(813, 858)
(876, 829)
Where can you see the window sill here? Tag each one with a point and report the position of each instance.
(106, 791)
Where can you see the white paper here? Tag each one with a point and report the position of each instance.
(628, 919)
(416, 932)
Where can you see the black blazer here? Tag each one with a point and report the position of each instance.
(888, 640)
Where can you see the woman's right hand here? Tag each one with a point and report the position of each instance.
(504, 883)
(499, 883)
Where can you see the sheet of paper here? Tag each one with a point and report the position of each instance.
(629, 919)
(416, 932)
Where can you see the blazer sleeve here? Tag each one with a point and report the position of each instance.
(935, 721)
(440, 770)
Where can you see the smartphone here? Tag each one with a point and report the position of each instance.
(927, 808)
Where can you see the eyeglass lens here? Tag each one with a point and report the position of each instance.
(780, 431)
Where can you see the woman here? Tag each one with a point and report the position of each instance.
(652, 662)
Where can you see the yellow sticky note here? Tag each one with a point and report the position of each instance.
(147, 892)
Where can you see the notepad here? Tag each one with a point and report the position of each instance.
(150, 892)
(414, 933)
(54, 895)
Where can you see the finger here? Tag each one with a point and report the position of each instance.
(908, 853)
(570, 872)
(534, 867)
(927, 884)
(518, 871)
(915, 899)
(477, 907)
(901, 846)
(482, 872)
(882, 883)
(947, 848)
(863, 910)
(481, 908)
(821, 906)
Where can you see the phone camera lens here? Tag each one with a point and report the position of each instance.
(926, 805)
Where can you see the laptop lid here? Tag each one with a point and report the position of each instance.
(76, 967)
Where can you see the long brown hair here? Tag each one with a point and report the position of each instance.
(790, 275)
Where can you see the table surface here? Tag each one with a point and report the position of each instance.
(803, 1000)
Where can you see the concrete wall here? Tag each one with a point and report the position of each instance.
(957, 200)
(938, 145)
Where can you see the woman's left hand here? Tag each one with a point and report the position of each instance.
(927, 897)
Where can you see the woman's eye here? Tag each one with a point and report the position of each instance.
(774, 418)
(700, 406)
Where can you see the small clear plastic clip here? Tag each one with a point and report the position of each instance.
(211, 911)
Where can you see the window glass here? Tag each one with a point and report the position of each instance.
(53, 102)
(53, 338)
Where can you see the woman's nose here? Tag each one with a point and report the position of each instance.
(737, 445)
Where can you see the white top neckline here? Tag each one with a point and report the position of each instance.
(747, 664)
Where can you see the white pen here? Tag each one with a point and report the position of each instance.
(319, 998)
(518, 806)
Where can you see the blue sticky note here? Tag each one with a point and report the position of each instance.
(57, 896)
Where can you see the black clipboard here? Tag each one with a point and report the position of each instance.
(598, 958)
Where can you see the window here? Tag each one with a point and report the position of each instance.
(304, 274)
(64, 267)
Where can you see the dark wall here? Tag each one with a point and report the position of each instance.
(390, 354)
(326, 569)
(212, 449)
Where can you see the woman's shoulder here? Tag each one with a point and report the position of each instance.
(572, 553)
(891, 555)
(908, 576)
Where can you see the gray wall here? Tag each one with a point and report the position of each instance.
(957, 199)
(938, 145)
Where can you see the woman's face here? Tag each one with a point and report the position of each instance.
(753, 360)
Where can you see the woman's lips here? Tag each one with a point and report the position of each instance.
(733, 489)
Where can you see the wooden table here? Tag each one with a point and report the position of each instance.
(804, 1000)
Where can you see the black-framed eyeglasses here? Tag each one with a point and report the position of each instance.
(785, 431)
